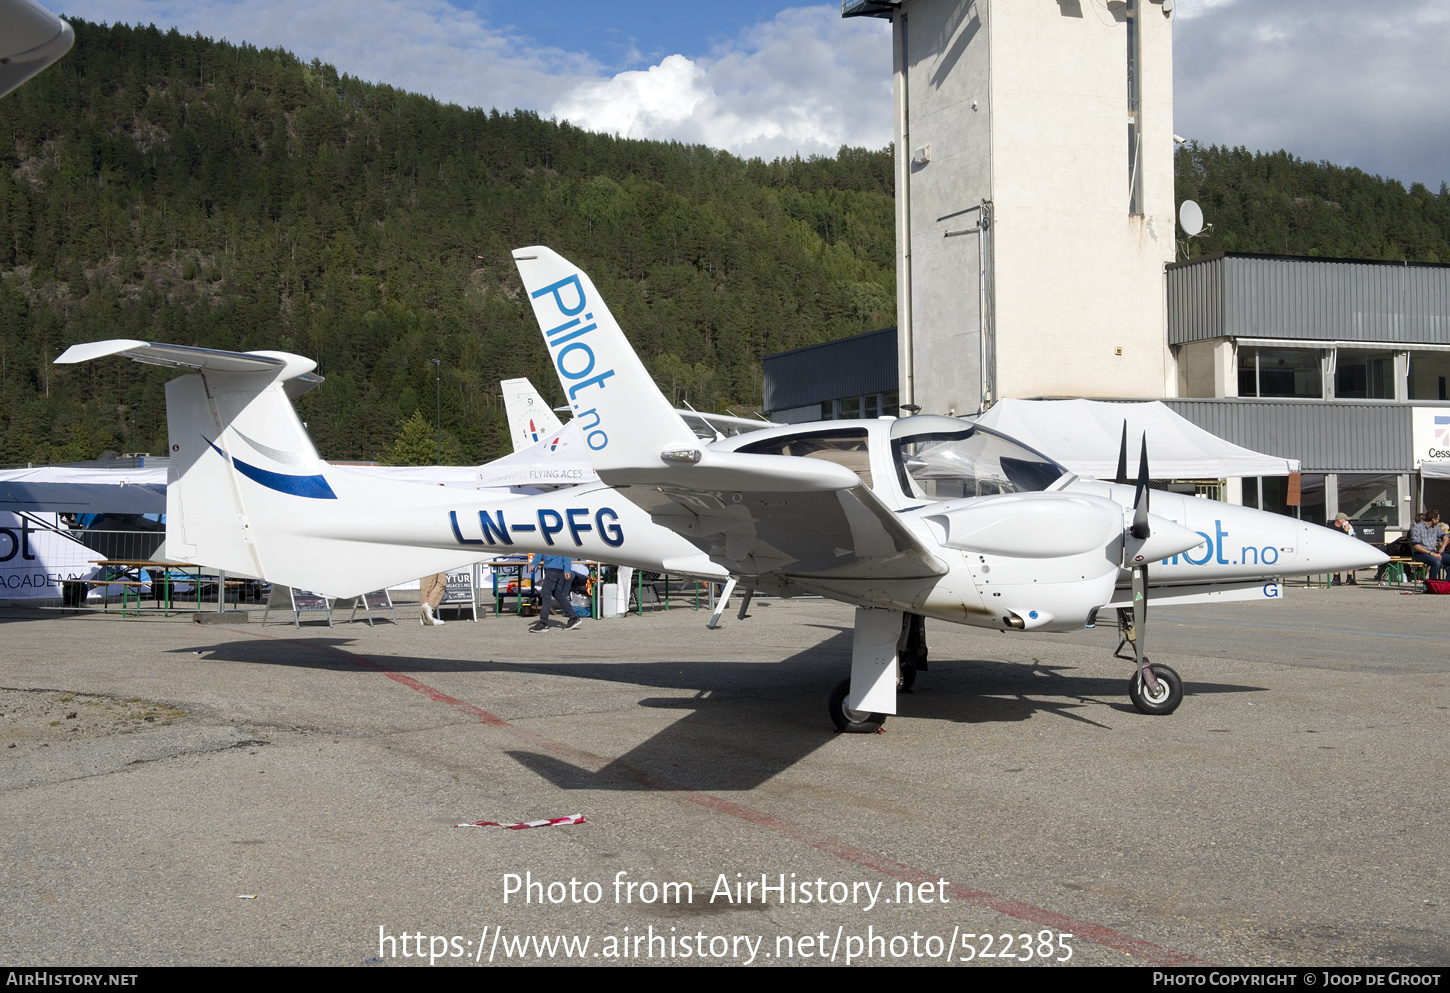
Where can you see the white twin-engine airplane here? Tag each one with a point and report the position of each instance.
(907, 518)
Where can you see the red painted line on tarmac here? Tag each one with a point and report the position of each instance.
(478, 713)
(1088, 931)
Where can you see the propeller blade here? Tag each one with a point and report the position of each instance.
(1140, 497)
(1122, 478)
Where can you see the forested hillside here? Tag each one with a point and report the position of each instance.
(177, 189)
(162, 187)
(1280, 205)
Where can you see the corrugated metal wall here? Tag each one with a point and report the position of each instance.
(1266, 297)
(1337, 436)
(850, 367)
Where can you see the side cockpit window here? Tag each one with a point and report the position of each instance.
(849, 448)
(942, 458)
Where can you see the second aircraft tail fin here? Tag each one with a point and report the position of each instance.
(530, 418)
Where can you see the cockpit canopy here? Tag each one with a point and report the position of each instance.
(943, 458)
(934, 457)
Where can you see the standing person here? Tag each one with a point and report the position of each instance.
(1425, 542)
(430, 595)
(558, 577)
(1341, 522)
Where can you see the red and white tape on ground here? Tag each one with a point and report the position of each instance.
(551, 822)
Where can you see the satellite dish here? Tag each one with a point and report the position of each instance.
(1190, 217)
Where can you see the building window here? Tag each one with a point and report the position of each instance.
(1369, 497)
(1271, 493)
(1311, 497)
(1429, 372)
(871, 405)
(1135, 110)
(1364, 375)
(1281, 372)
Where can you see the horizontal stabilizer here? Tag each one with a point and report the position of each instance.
(294, 370)
(31, 38)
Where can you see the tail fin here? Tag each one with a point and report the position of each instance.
(626, 421)
(530, 418)
(247, 492)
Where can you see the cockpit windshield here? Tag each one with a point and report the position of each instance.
(943, 458)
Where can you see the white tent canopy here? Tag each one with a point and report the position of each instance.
(1085, 436)
(461, 476)
(61, 489)
(1434, 470)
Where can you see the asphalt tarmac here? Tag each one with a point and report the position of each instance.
(253, 794)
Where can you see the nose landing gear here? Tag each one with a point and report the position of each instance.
(1162, 698)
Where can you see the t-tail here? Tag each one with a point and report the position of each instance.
(530, 418)
(248, 494)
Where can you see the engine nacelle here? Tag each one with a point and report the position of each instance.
(1048, 560)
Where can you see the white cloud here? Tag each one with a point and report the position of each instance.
(1356, 84)
(424, 46)
(805, 82)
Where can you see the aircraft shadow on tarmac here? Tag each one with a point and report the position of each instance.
(747, 722)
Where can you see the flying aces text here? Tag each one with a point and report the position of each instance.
(573, 521)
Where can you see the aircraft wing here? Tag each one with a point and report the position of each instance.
(836, 533)
(752, 514)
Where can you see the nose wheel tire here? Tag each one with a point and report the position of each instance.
(849, 721)
(1165, 699)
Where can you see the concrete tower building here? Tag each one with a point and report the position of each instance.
(1034, 198)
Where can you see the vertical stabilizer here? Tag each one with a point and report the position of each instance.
(228, 429)
(530, 418)
(624, 418)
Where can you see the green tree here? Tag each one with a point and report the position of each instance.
(417, 444)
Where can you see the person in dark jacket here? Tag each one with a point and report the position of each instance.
(558, 577)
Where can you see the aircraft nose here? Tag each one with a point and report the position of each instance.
(1328, 550)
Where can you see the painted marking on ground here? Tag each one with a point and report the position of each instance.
(1086, 930)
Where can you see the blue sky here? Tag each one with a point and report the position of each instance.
(628, 35)
(1345, 81)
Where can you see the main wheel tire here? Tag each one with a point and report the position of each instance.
(905, 675)
(852, 721)
(1168, 697)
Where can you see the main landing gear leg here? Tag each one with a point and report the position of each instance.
(861, 704)
(910, 651)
